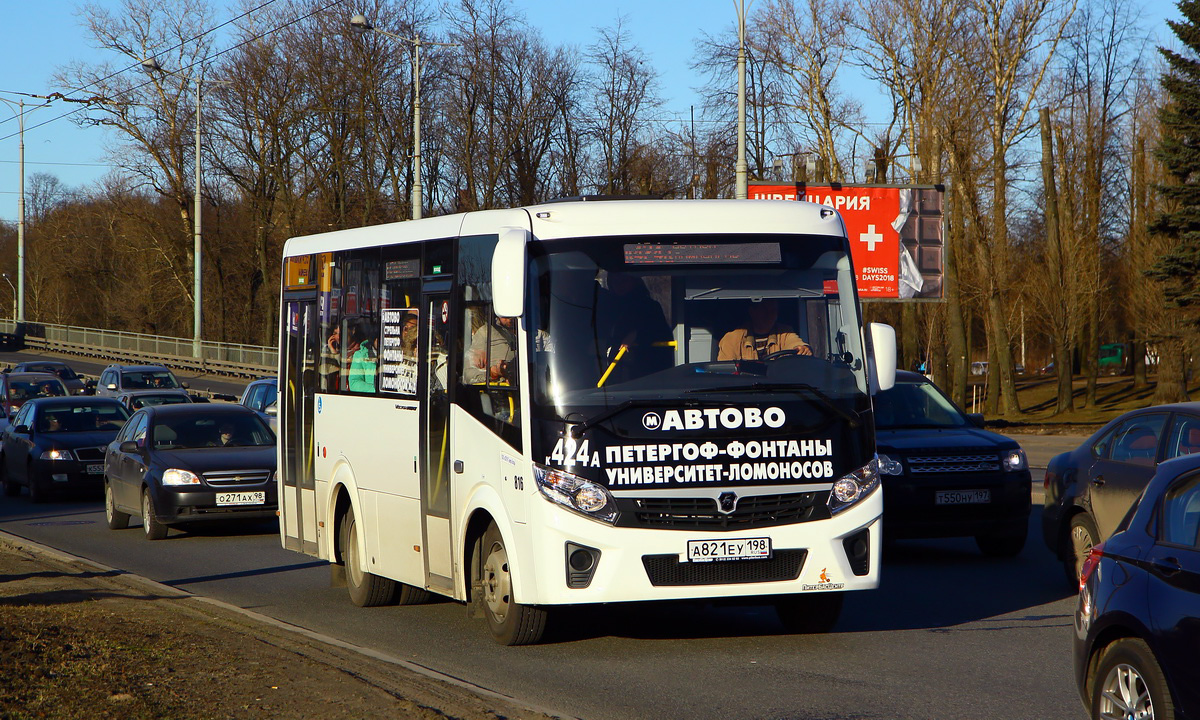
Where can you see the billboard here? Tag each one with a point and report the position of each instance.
(896, 233)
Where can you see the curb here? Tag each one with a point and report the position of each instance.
(139, 582)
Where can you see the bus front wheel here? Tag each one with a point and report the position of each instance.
(510, 622)
(366, 589)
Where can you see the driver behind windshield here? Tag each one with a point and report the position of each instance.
(762, 335)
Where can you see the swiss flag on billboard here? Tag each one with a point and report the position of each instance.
(895, 234)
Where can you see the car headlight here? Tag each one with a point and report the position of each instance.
(175, 476)
(1014, 460)
(853, 487)
(575, 493)
(888, 466)
(58, 455)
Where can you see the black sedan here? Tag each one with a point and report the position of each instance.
(1089, 490)
(56, 445)
(1137, 620)
(70, 378)
(944, 475)
(189, 463)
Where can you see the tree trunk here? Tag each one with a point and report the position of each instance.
(1172, 364)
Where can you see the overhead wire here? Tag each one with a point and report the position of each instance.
(177, 46)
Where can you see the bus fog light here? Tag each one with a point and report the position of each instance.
(845, 490)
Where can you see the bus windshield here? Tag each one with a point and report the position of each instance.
(627, 321)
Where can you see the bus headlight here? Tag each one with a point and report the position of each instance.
(853, 487)
(175, 476)
(575, 493)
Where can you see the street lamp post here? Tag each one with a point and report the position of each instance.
(151, 66)
(741, 181)
(360, 24)
(19, 303)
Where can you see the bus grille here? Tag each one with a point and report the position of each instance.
(667, 570)
(700, 513)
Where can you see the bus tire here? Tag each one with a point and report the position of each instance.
(510, 622)
(366, 589)
(809, 613)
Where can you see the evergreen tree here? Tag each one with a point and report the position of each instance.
(1179, 152)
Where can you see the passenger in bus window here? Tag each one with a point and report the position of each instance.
(493, 348)
(631, 329)
(363, 365)
(762, 335)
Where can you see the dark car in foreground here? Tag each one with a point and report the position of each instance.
(1089, 489)
(1137, 619)
(944, 475)
(173, 465)
(56, 445)
(74, 383)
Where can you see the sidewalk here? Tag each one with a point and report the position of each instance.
(81, 641)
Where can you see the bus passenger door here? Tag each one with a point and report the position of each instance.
(297, 489)
(435, 423)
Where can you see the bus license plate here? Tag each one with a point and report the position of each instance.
(94, 469)
(740, 549)
(962, 497)
(257, 497)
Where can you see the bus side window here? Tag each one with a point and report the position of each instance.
(490, 369)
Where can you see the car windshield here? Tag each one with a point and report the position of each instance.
(20, 390)
(617, 322)
(916, 405)
(141, 401)
(98, 417)
(211, 431)
(148, 379)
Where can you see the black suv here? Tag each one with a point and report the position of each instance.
(944, 475)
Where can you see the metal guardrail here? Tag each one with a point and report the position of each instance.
(120, 346)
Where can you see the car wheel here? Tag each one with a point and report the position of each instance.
(1130, 684)
(809, 613)
(11, 489)
(510, 622)
(1004, 543)
(116, 519)
(1081, 536)
(366, 589)
(154, 529)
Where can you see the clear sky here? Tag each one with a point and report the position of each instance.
(37, 36)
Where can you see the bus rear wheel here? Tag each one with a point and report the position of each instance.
(366, 589)
(510, 622)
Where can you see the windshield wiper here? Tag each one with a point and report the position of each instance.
(852, 417)
(595, 420)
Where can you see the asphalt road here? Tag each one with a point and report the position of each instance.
(950, 634)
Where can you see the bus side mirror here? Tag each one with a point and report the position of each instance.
(883, 342)
(508, 273)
